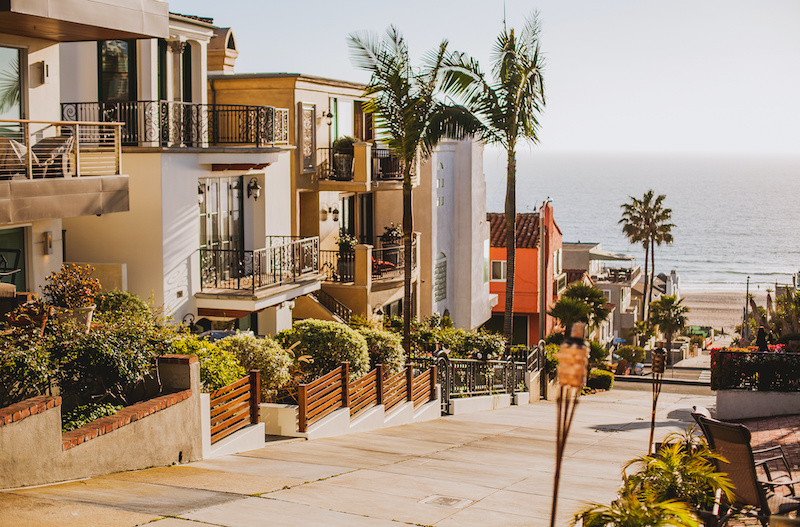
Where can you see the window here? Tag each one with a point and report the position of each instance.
(498, 270)
(117, 70)
(440, 278)
(221, 225)
(10, 84)
(607, 294)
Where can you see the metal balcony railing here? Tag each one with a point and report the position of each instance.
(176, 124)
(54, 149)
(233, 269)
(335, 165)
(386, 165)
(387, 264)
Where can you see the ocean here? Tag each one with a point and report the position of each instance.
(735, 215)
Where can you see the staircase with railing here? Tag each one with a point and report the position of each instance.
(333, 305)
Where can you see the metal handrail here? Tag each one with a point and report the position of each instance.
(333, 305)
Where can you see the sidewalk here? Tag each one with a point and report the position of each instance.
(488, 469)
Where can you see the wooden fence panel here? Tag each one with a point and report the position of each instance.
(235, 406)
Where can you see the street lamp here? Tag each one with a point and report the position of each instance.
(657, 363)
(573, 360)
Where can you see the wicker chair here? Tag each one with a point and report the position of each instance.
(752, 496)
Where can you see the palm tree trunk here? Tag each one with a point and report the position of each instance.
(511, 223)
(408, 224)
(652, 278)
(646, 306)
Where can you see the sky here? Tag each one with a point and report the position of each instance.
(621, 75)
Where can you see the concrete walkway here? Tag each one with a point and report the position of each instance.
(487, 469)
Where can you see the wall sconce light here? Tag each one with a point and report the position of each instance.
(324, 214)
(47, 238)
(201, 193)
(253, 189)
(335, 213)
(329, 118)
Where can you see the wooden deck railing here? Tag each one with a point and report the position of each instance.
(235, 406)
(333, 391)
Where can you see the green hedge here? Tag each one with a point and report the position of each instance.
(218, 368)
(265, 355)
(328, 344)
(385, 348)
(600, 379)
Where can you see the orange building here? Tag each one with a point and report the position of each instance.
(526, 284)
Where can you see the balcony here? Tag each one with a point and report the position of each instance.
(180, 124)
(364, 169)
(60, 169)
(286, 260)
(386, 265)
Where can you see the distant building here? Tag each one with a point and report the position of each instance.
(527, 287)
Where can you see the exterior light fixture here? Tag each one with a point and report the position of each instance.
(201, 193)
(573, 361)
(323, 214)
(329, 118)
(47, 238)
(253, 189)
(335, 213)
(657, 363)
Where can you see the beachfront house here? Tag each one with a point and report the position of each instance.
(530, 246)
(208, 231)
(52, 172)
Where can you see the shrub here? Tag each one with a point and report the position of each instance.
(632, 354)
(597, 352)
(111, 361)
(87, 413)
(556, 338)
(479, 344)
(328, 344)
(265, 355)
(551, 360)
(600, 379)
(121, 301)
(25, 368)
(384, 348)
(218, 368)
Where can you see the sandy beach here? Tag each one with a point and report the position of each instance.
(718, 309)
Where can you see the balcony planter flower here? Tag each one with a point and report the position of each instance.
(34, 313)
(343, 153)
(72, 291)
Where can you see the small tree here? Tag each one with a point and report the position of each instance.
(592, 297)
(669, 315)
(570, 310)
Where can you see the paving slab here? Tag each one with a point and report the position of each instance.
(277, 513)
(159, 500)
(253, 465)
(322, 452)
(33, 511)
(207, 479)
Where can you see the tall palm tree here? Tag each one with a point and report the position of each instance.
(507, 107)
(646, 221)
(669, 314)
(570, 310)
(408, 116)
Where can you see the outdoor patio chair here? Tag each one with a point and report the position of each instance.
(753, 497)
(49, 155)
(774, 454)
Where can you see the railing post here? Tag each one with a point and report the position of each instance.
(77, 131)
(255, 395)
(302, 407)
(118, 146)
(433, 382)
(29, 158)
(409, 383)
(345, 384)
(379, 383)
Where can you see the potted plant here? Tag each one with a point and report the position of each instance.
(347, 255)
(343, 158)
(33, 313)
(392, 236)
(73, 290)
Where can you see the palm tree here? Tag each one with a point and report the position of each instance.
(669, 315)
(507, 107)
(592, 297)
(646, 221)
(408, 116)
(570, 310)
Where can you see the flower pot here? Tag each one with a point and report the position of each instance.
(82, 316)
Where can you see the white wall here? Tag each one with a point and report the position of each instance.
(78, 71)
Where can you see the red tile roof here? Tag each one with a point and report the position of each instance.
(527, 230)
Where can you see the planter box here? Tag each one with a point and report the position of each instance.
(279, 419)
(552, 390)
(522, 398)
(481, 403)
(747, 404)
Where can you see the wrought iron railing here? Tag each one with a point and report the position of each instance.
(234, 269)
(175, 123)
(387, 264)
(334, 165)
(333, 305)
(386, 165)
(45, 149)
